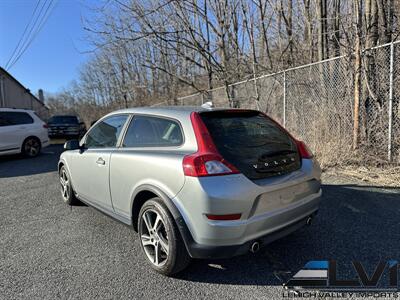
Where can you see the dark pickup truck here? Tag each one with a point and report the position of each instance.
(66, 126)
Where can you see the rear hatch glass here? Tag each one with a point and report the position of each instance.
(63, 120)
(252, 142)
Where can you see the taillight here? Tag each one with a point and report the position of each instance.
(304, 151)
(45, 126)
(206, 161)
(208, 164)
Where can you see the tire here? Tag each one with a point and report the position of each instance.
(31, 147)
(67, 193)
(164, 236)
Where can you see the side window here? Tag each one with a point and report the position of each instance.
(106, 133)
(3, 120)
(147, 131)
(14, 118)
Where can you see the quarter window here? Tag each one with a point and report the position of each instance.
(106, 133)
(145, 131)
(15, 118)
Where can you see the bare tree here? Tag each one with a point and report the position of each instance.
(154, 51)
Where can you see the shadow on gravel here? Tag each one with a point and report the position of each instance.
(17, 165)
(354, 223)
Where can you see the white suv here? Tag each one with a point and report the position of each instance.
(22, 131)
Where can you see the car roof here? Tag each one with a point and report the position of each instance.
(8, 109)
(172, 111)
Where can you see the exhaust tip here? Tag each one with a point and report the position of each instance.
(255, 247)
(309, 221)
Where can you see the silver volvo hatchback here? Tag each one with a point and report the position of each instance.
(194, 182)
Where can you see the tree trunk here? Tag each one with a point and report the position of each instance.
(261, 7)
(336, 26)
(357, 75)
(308, 29)
(322, 29)
(290, 31)
(385, 12)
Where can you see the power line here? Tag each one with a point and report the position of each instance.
(28, 36)
(23, 34)
(44, 17)
(31, 33)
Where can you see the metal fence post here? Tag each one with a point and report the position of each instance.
(390, 108)
(284, 98)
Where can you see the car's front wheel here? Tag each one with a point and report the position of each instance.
(67, 193)
(160, 239)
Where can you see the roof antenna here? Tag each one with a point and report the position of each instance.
(208, 105)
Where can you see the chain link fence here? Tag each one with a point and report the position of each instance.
(316, 103)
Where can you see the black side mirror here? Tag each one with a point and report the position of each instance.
(72, 145)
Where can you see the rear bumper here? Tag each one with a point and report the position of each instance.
(63, 135)
(269, 209)
(206, 251)
(263, 229)
(63, 132)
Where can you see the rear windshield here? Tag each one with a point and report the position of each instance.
(252, 142)
(63, 120)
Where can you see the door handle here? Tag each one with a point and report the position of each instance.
(100, 161)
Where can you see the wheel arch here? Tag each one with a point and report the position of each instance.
(64, 163)
(146, 192)
(60, 164)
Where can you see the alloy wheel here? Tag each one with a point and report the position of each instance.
(64, 181)
(154, 238)
(32, 147)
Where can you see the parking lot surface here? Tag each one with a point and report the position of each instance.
(49, 250)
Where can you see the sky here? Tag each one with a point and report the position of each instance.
(53, 58)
